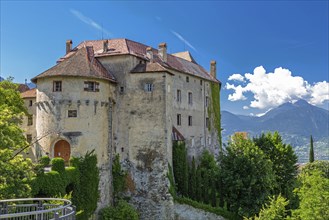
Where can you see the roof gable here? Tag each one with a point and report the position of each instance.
(81, 62)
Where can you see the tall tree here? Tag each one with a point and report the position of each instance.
(192, 183)
(180, 168)
(247, 177)
(284, 162)
(311, 156)
(15, 172)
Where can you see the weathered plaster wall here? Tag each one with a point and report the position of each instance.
(86, 132)
(198, 136)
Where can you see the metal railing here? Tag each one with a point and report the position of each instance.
(37, 209)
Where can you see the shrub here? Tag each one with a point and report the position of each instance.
(121, 211)
(58, 164)
(44, 161)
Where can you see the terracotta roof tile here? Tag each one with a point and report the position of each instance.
(22, 87)
(81, 62)
(32, 93)
(125, 46)
(149, 67)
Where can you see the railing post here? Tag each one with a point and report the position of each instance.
(56, 216)
(74, 212)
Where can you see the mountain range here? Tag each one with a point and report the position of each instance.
(295, 122)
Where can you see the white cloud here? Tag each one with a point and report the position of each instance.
(236, 77)
(180, 37)
(245, 107)
(320, 93)
(273, 89)
(90, 22)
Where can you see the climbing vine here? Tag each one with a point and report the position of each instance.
(214, 110)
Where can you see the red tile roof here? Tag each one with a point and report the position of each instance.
(81, 62)
(125, 46)
(32, 93)
(22, 87)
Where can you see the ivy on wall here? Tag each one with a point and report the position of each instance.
(214, 110)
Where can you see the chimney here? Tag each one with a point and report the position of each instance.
(163, 51)
(68, 46)
(105, 46)
(213, 68)
(149, 54)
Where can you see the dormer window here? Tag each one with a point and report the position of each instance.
(57, 86)
(91, 86)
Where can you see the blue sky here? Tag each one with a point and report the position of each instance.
(267, 52)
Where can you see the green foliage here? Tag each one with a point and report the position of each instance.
(49, 184)
(311, 156)
(274, 210)
(170, 176)
(15, 176)
(284, 162)
(12, 110)
(214, 110)
(192, 183)
(216, 210)
(15, 172)
(58, 164)
(85, 191)
(121, 211)
(314, 197)
(320, 165)
(44, 161)
(247, 177)
(119, 177)
(180, 165)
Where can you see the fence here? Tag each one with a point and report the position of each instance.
(37, 209)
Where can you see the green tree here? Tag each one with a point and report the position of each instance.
(284, 162)
(313, 197)
(247, 177)
(119, 177)
(321, 165)
(15, 172)
(180, 167)
(199, 185)
(274, 210)
(192, 182)
(85, 192)
(311, 156)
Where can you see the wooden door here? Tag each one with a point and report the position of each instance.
(62, 149)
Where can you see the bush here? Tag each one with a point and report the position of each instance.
(58, 164)
(121, 211)
(44, 161)
(48, 184)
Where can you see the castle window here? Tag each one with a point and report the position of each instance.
(200, 82)
(192, 141)
(207, 123)
(91, 86)
(30, 102)
(207, 101)
(148, 87)
(29, 138)
(57, 86)
(179, 96)
(122, 89)
(190, 98)
(187, 79)
(189, 120)
(179, 119)
(30, 120)
(72, 113)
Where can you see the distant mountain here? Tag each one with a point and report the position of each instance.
(294, 121)
(1, 79)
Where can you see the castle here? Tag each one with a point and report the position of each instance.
(122, 97)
